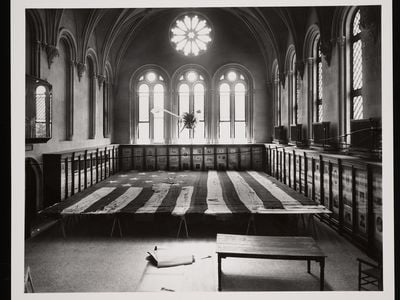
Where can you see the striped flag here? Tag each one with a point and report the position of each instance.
(180, 193)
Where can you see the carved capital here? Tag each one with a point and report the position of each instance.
(100, 79)
(341, 41)
(81, 67)
(310, 60)
(51, 52)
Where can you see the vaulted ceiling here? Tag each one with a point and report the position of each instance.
(272, 28)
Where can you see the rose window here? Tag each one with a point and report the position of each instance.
(190, 35)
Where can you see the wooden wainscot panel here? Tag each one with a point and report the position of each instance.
(126, 158)
(335, 192)
(376, 177)
(138, 158)
(63, 178)
(361, 201)
(318, 168)
(185, 157)
(347, 196)
(222, 157)
(257, 158)
(326, 186)
(150, 158)
(297, 166)
(173, 158)
(233, 158)
(77, 183)
(209, 160)
(245, 157)
(273, 160)
(198, 158)
(162, 158)
(311, 157)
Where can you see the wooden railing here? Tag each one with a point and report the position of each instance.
(69, 172)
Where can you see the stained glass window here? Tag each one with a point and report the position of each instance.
(357, 70)
(191, 35)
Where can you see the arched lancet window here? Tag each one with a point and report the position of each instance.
(319, 100)
(233, 106)
(38, 109)
(356, 106)
(191, 99)
(42, 118)
(277, 97)
(92, 97)
(150, 116)
(293, 91)
(106, 103)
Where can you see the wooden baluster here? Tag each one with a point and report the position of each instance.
(97, 165)
(105, 163)
(73, 173)
(79, 173)
(66, 177)
(101, 165)
(85, 167)
(91, 168)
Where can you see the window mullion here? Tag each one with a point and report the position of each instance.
(151, 116)
(232, 112)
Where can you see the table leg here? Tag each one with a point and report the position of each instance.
(62, 225)
(219, 272)
(321, 275)
(308, 266)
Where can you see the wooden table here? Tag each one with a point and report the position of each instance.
(270, 247)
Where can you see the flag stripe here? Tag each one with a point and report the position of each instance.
(82, 205)
(198, 205)
(269, 201)
(276, 191)
(122, 201)
(168, 203)
(99, 205)
(143, 197)
(288, 190)
(215, 199)
(246, 194)
(183, 201)
(231, 195)
(160, 192)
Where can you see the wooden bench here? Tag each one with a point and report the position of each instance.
(270, 247)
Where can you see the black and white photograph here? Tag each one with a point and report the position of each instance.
(202, 149)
